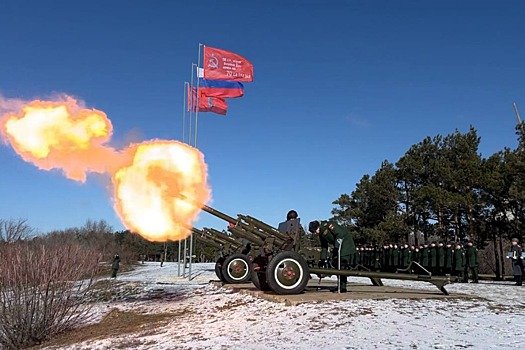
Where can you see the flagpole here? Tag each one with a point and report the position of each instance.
(197, 113)
(195, 145)
(191, 109)
(184, 102)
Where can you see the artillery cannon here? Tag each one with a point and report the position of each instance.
(284, 264)
(232, 262)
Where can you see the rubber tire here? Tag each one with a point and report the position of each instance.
(218, 269)
(259, 276)
(276, 262)
(226, 273)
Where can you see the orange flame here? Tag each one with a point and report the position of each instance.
(149, 179)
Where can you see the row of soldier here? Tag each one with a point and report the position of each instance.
(439, 259)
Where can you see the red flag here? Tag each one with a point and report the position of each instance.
(225, 65)
(206, 103)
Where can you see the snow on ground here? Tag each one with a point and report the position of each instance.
(208, 317)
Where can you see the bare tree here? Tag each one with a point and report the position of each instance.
(14, 230)
(44, 290)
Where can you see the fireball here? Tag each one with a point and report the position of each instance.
(159, 186)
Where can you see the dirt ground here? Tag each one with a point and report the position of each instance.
(116, 322)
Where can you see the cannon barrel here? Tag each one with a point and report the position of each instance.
(206, 240)
(230, 242)
(222, 236)
(247, 235)
(219, 214)
(264, 226)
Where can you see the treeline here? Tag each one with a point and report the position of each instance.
(442, 189)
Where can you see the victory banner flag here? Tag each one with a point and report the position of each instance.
(221, 88)
(225, 65)
(206, 103)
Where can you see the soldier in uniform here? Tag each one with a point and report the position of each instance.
(330, 232)
(386, 258)
(432, 258)
(115, 266)
(517, 261)
(472, 260)
(395, 258)
(449, 258)
(424, 257)
(459, 262)
(406, 255)
(417, 255)
(440, 259)
(376, 264)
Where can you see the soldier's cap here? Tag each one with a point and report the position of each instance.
(313, 226)
(515, 240)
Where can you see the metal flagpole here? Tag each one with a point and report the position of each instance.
(197, 113)
(184, 262)
(195, 145)
(185, 93)
(193, 103)
(517, 113)
(178, 260)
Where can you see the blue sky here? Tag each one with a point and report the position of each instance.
(339, 87)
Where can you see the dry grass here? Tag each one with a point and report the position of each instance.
(115, 323)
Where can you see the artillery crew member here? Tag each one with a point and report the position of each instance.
(515, 255)
(329, 233)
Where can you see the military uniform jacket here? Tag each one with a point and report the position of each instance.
(472, 256)
(424, 257)
(441, 256)
(394, 257)
(459, 259)
(433, 256)
(449, 254)
(405, 256)
(517, 262)
(329, 233)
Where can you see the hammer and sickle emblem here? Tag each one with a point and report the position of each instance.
(213, 63)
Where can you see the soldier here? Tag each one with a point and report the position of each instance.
(432, 258)
(386, 258)
(115, 266)
(459, 262)
(395, 258)
(376, 264)
(424, 256)
(449, 258)
(517, 261)
(330, 232)
(417, 255)
(472, 260)
(406, 256)
(440, 259)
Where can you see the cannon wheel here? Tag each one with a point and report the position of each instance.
(259, 275)
(236, 268)
(287, 273)
(218, 269)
